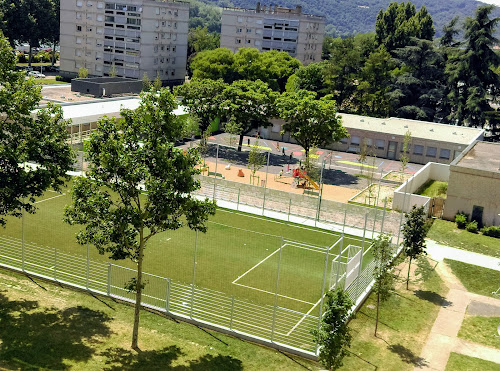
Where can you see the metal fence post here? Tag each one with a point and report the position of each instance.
(55, 264)
(232, 313)
(22, 242)
(341, 247)
(361, 258)
(264, 203)
(267, 168)
(215, 179)
(194, 276)
(238, 204)
(88, 268)
(167, 306)
(276, 293)
(289, 208)
(216, 161)
(383, 216)
(109, 279)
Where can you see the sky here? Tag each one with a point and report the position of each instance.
(494, 2)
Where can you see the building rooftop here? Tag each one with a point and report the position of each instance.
(482, 155)
(275, 10)
(418, 129)
(86, 112)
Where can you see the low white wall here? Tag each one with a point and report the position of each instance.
(404, 197)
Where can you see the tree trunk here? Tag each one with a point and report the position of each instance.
(30, 55)
(138, 293)
(240, 143)
(54, 54)
(408, 277)
(376, 320)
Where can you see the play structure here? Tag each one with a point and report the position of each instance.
(302, 174)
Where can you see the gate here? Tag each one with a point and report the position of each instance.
(436, 207)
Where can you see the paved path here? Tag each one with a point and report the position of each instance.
(439, 252)
(443, 339)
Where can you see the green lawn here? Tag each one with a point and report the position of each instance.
(35, 64)
(482, 330)
(459, 362)
(49, 327)
(447, 233)
(49, 81)
(405, 321)
(476, 279)
(433, 188)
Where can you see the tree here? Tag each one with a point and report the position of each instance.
(202, 97)
(311, 78)
(31, 21)
(83, 73)
(146, 82)
(157, 84)
(126, 156)
(311, 122)
(383, 275)
(469, 72)
(333, 337)
(248, 104)
(40, 139)
(417, 89)
(199, 39)
(396, 26)
(112, 71)
(256, 159)
(414, 233)
(214, 64)
(363, 152)
(404, 159)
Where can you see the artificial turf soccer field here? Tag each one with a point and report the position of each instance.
(239, 255)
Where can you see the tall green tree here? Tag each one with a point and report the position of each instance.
(372, 96)
(248, 105)
(256, 159)
(39, 139)
(470, 72)
(414, 233)
(417, 88)
(214, 64)
(311, 122)
(333, 337)
(311, 78)
(200, 39)
(127, 156)
(399, 23)
(383, 275)
(202, 97)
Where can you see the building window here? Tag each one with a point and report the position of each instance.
(89, 3)
(257, 42)
(173, 48)
(355, 141)
(109, 18)
(78, 40)
(368, 142)
(100, 18)
(249, 30)
(444, 153)
(240, 19)
(239, 30)
(79, 28)
(100, 5)
(249, 41)
(343, 141)
(79, 3)
(431, 152)
(380, 143)
(238, 41)
(418, 149)
(259, 21)
(78, 15)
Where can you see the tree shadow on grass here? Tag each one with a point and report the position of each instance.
(407, 355)
(33, 337)
(124, 359)
(433, 298)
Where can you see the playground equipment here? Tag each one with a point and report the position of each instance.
(302, 174)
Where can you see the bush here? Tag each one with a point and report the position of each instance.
(491, 231)
(472, 227)
(461, 220)
(22, 58)
(59, 78)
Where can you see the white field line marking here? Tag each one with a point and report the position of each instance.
(256, 265)
(272, 293)
(287, 224)
(50, 198)
(303, 317)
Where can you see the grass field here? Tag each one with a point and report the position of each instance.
(433, 188)
(447, 233)
(479, 280)
(459, 362)
(482, 330)
(239, 255)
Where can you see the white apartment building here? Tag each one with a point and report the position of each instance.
(128, 38)
(274, 28)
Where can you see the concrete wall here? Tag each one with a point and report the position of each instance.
(404, 197)
(109, 86)
(473, 187)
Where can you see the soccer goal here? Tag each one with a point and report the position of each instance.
(345, 267)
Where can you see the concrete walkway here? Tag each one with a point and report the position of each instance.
(439, 252)
(443, 339)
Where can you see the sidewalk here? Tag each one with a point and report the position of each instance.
(443, 339)
(440, 252)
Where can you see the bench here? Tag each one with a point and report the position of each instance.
(213, 173)
(311, 192)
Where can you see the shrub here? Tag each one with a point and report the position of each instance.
(461, 220)
(472, 227)
(59, 78)
(493, 231)
(22, 58)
